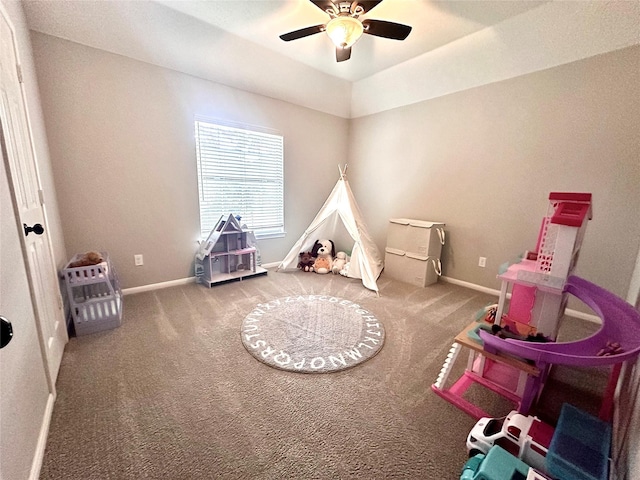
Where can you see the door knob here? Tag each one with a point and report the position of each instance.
(37, 229)
(6, 332)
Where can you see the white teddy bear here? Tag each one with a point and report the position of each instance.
(339, 262)
(345, 270)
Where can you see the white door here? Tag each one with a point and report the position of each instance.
(23, 178)
(25, 396)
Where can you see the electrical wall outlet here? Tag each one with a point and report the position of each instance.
(482, 262)
(138, 260)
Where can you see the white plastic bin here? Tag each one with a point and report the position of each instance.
(397, 233)
(97, 314)
(416, 236)
(94, 294)
(394, 263)
(419, 270)
(425, 238)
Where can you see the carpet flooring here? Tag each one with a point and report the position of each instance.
(173, 393)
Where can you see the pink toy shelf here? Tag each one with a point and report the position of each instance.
(510, 377)
(620, 326)
(537, 283)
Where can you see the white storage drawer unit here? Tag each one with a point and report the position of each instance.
(413, 251)
(419, 270)
(416, 236)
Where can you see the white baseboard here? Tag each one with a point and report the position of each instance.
(570, 312)
(490, 291)
(472, 286)
(38, 455)
(174, 283)
(158, 286)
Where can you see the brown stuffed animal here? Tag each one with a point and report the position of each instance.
(87, 259)
(306, 262)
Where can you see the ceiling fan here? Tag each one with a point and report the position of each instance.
(345, 27)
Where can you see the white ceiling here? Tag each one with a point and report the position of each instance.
(454, 45)
(434, 24)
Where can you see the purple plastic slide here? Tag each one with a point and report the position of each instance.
(620, 324)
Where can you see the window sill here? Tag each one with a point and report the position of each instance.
(267, 236)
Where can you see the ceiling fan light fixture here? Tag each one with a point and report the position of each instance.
(344, 27)
(344, 31)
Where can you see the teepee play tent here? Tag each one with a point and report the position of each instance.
(340, 220)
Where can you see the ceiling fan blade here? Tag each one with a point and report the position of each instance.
(343, 54)
(381, 28)
(303, 32)
(369, 5)
(322, 4)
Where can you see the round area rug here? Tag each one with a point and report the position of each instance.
(312, 333)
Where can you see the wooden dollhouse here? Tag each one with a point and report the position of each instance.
(228, 253)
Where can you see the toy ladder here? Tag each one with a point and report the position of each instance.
(509, 377)
(447, 365)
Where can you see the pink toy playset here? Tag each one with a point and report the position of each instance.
(515, 362)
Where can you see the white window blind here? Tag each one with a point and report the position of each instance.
(240, 171)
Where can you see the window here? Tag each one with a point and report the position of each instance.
(240, 171)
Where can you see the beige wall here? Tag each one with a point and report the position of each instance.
(484, 161)
(121, 134)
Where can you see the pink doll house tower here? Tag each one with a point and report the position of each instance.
(515, 364)
(536, 287)
(537, 283)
